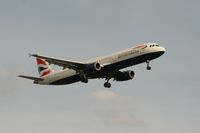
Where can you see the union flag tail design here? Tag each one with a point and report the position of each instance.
(43, 67)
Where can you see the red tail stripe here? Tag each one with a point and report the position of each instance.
(41, 61)
(45, 73)
(140, 46)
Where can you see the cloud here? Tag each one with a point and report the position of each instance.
(104, 95)
(114, 109)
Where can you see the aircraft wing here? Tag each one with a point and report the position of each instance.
(63, 63)
(31, 78)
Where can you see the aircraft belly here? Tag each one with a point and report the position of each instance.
(67, 80)
(108, 69)
(62, 78)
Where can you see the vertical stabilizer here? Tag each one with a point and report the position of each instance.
(43, 67)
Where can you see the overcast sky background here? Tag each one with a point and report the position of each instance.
(166, 99)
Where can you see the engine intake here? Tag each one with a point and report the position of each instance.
(97, 66)
(124, 76)
(93, 67)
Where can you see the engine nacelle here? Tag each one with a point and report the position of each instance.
(124, 76)
(93, 67)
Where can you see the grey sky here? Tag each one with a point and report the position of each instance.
(167, 99)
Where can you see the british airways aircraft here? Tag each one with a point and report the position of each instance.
(107, 67)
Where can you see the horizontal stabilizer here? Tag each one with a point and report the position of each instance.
(31, 78)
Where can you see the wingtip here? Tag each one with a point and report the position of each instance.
(20, 76)
(33, 55)
(29, 55)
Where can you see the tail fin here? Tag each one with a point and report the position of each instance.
(43, 67)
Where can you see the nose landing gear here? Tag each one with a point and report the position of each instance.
(148, 65)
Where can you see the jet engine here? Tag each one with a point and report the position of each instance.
(93, 67)
(124, 76)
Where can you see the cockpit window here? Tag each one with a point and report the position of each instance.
(154, 45)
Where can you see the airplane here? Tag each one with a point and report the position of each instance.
(107, 67)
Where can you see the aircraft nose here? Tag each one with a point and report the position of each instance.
(163, 49)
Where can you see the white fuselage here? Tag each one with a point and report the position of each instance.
(144, 51)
